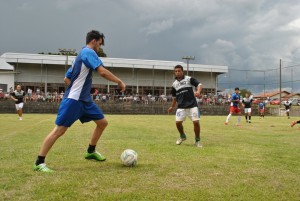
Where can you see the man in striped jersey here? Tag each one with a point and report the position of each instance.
(185, 97)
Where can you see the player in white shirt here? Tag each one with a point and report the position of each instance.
(18, 96)
(247, 103)
(287, 104)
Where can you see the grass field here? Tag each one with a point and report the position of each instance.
(258, 161)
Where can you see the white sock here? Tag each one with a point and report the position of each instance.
(228, 117)
(239, 119)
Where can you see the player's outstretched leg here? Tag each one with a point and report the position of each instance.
(294, 123)
(197, 134)
(49, 141)
(227, 119)
(181, 132)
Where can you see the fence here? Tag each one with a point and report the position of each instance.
(113, 107)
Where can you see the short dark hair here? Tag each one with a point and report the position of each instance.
(236, 88)
(178, 66)
(94, 35)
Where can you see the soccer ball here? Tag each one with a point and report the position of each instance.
(129, 157)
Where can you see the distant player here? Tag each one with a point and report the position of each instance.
(18, 96)
(184, 96)
(261, 107)
(247, 103)
(234, 106)
(287, 104)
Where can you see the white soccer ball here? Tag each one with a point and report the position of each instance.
(129, 157)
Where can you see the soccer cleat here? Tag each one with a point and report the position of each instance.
(180, 140)
(249, 121)
(226, 123)
(293, 123)
(95, 155)
(42, 168)
(198, 144)
(20, 118)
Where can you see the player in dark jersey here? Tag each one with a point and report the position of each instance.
(234, 106)
(287, 104)
(247, 103)
(18, 96)
(184, 95)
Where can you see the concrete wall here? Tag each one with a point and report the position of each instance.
(7, 78)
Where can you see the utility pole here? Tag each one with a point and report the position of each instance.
(67, 52)
(280, 83)
(188, 58)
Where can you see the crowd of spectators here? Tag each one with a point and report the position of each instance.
(98, 97)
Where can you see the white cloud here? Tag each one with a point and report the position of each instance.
(157, 27)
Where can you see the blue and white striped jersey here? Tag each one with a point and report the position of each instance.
(80, 75)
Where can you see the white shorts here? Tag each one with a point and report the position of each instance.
(192, 113)
(247, 110)
(19, 106)
(287, 110)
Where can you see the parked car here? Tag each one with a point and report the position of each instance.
(275, 102)
(255, 101)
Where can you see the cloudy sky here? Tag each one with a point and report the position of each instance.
(242, 34)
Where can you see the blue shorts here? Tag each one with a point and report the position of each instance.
(71, 110)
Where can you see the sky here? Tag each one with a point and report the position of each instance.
(245, 35)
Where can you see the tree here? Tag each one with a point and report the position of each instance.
(244, 91)
(101, 53)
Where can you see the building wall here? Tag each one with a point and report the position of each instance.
(40, 74)
(7, 78)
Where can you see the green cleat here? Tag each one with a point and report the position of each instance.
(95, 155)
(42, 168)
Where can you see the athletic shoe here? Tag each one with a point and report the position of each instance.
(180, 140)
(293, 123)
(249, 121)
(226, 123)
(95, 155)
(20, 118)
(198, 144)
(237, 124)
(42, 168)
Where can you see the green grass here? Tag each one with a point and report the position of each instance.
(258, 161)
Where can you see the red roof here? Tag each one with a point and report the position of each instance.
(270, 94)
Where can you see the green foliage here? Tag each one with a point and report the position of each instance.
(101, 53)
(258, 161)
(244, 91)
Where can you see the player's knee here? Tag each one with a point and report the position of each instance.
(178, 122)
(102, 124)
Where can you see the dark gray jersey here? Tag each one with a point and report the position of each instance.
(287, 105)
(18, 95)
(183, 92)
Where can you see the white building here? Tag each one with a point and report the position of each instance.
(46, 72)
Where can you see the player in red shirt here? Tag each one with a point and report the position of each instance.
(234, 106)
